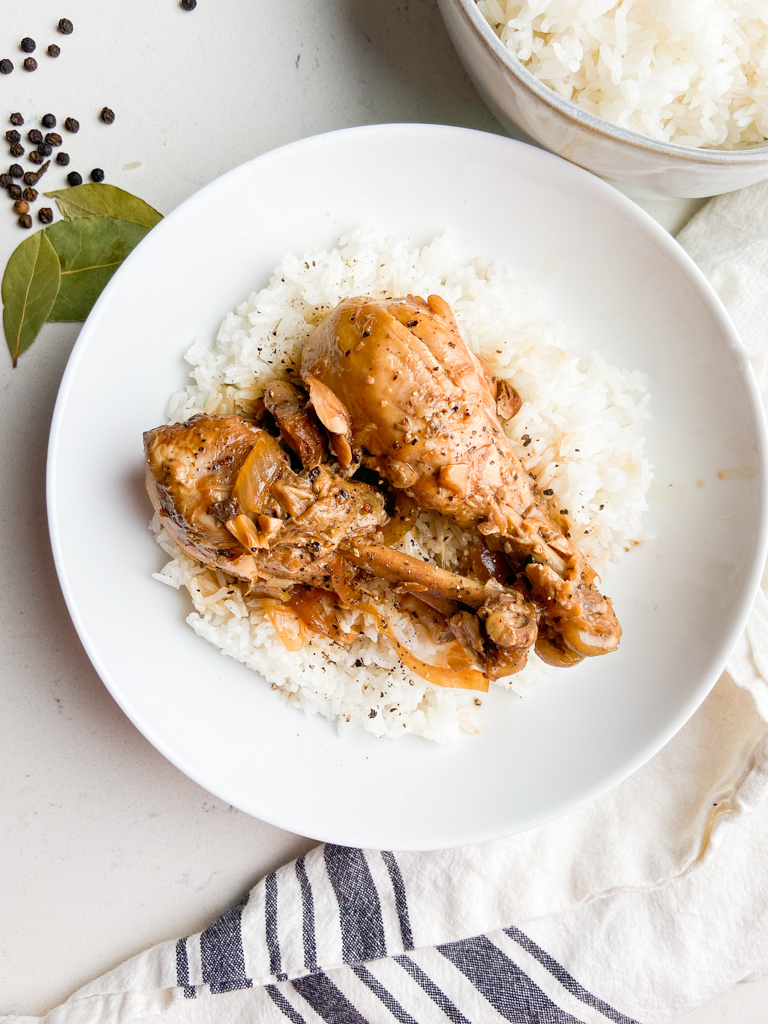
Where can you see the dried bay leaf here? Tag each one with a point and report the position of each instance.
(104, 201)
(90, 249)
(29, 290)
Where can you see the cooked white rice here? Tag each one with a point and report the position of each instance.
(693, 72)
(584, 419)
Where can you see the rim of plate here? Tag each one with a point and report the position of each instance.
(707, 295)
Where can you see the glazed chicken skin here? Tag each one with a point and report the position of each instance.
(398, 389)
(422, 406)
(226, 493)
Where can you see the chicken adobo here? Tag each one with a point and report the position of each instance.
(395, 415)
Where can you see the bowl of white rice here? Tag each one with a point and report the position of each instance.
(639, 414)
(667, 98)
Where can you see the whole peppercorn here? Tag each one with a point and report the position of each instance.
(16, 170)
(30, 178)
(97, 174)
(74, 178)
(72, 125)
(28, 45)
(35, 157)
(48, 121)
(45, 148)
(17, 149)
(14, 191)
(30, 64)
(21, 206)
(62, 158)
(25, 221)
(13, 135)
(17, 119)
(53, 139)
(5, 180)
(30, 194)
(6, 66)
(45, 215)
(66, 27)
(53, 50)
(107, 115)
(189, 5)
(35, 136)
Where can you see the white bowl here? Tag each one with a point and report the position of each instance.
(519, 99)
(682, 596)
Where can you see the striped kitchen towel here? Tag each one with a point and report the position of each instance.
(636, 907)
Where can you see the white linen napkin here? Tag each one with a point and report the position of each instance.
(637, 907)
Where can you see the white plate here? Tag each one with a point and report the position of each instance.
(682, 597)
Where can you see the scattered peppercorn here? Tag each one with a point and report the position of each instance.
(14, 191)
(72, 125)
(30, 194)
(30, 178)
(25, 221)
(74, 178)
(17, 119)
(35, 157)
(21, 206)
(97, 174)
(62, 158)
(53, 139)
(107, 115)
(45, 215)
(189, 5)
(53, 50)
(28, 45)
(35, 136)
(6, 66)
(5, 180)
(17, 149)
(15, 170)
(30, 64)
(66, 27)
(13, 135)
(48, 121)
(45, 148)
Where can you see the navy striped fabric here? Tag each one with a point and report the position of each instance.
(330, 939)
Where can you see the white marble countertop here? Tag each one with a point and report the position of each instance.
(106, 848)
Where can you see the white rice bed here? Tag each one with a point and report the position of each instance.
(583, 416)
(693, 72)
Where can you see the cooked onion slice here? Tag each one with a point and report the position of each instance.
(292, 631)
(259, 472)
(312, 612)
(459, 673)
(243, 530)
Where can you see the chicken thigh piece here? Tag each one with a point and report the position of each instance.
(416, 405)
(225, 491)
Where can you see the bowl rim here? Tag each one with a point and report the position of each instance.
(756, 154)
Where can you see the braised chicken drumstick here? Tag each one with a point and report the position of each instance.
(397, 388)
